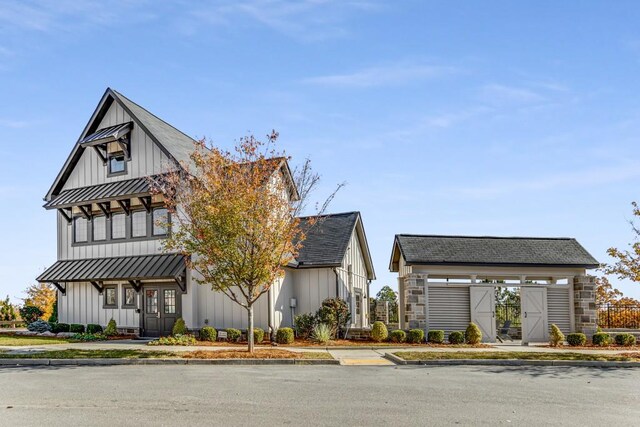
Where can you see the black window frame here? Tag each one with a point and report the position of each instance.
(105, 292)
(74, 233)
(166, 231)
(146, 225)
(110, 226)
(93, 228)
(125, 288)
(111, 156)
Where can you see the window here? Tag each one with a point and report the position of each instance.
(99, 227)
(80, 228)
(110, 297)
(139, 224)
(169, 301)
(118, 226)
(117, 164)
(160, 217)
(151, 301)
(129, 300)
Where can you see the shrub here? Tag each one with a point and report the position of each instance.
(112, 329)
(415, 336)
(30, 313)
(436, 337)
(473, 335)
(334, 312)
(576, 339)
(456, 337)
(258, 335)
(601, 339)
(397, 336)
(625, 339)
(284, 336)
(92, 328)
(233, 335)
(304, 324)
(59, 327)
(321, 333)
(76, 328)
(379, 332)
(39, 326)
(174, 340)
(88, 337)
(179, 328)
(556, 337)
(208, 334)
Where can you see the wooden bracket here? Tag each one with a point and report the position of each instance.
(86, 212)
(137, 285)
(65, 215)
(146, 202)
(180, 280)
(125, 205)
(123, 142)
(105, 208)
(62, 289)
(99, 286)
(102, 155)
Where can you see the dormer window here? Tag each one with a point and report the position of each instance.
(117, 164)
(113, 146)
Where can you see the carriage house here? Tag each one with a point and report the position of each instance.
(109, 258)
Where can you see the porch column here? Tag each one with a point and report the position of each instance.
(584, 305)
(415, 310)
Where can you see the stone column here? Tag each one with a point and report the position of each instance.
(415, 314)
(584, 305)
(382, 311)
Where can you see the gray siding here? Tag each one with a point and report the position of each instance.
(83, 304)
(312, 286)
(355, 258)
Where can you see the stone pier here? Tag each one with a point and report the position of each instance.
(584, 305)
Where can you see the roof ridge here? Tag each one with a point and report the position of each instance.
(330, 214)
(453, 236)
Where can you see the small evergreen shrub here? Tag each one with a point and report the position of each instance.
(415, 336)
(175, 340)
(625, 339)
(233, 334)
(179, 328)
(76, 328)
(30, 313)
(258, 335)
(112, 329)
(473, 335)
(304, 324)
(208, 333)
(92, 328)
(59, 327)
(436, 337)
(397, 336)
(39, 326)
(601, 339)
(456, 337)
(556, 337)
(321, 333)
(335, 313)
(284, 336)
(576, 339)
(379, 332)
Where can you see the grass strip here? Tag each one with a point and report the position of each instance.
(19, 340)
(502, 355)
(89, 354)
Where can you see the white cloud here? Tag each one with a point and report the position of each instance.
(384, 75)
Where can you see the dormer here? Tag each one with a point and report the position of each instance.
(113, 146)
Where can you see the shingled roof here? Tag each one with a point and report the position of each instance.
(495, 251)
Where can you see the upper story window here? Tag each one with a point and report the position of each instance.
(118, 226)
(139, 224)
(99, 228)
(160, 218)
(80, 229)
(117, 164)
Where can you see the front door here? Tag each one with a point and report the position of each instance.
(161, 307)
(534, 314)
(483, 311)
(358, 319)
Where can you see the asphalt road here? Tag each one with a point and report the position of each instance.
(318, 395)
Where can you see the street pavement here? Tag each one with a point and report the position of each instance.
(318, 395)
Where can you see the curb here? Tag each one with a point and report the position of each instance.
(112, 362)
(512, 362)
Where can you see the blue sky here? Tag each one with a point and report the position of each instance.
(481, 118)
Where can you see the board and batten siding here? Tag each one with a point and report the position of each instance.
(355, 258)
(311, 286)
(449, 308)
(559, 307)
(83, 304)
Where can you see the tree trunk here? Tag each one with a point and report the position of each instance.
(250, 328)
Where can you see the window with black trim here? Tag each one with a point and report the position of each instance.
(99, 228)
(118, 226)
(139, 224)
(117, 164)
(129, 299)
(160, 218)
(80, 229)
(110, 297)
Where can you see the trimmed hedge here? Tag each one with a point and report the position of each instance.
(415, 336)
(436, 336)
(284, 336)
(208, 333)
(576, 339)
(601, 339)
(258, 335)
(473, 335)
(233, 334)
(92, 328)
(625, 339)
(76, 328)
(59, 327)
(379, 332)
(456, 337)
(397, 336)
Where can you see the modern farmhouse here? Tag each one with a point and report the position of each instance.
(445, 282)
(110, 263)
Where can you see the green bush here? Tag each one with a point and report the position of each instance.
(415, 336)
(179, 328)
(59, 327)
(456, 337)
(284, 336)
(76, 328)
(601, 339)
(436, 337)
(30, 313)
(112, 329)
(397, 336)
(473, 335)
(39, 326)
(92, 328)
(175, 340)
(576, 339)
(304, 324)
(233, 334)
(208, 333)
(89, 337)
(335, 313)
(556, 337)
(258, 335)
(625, 339)
(321, 333)
(379, 332)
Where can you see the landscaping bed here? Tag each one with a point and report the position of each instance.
(515, 355)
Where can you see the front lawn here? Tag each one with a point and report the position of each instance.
(18, 340)
(432, 355)
(258, 354)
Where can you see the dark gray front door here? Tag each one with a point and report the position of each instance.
(161, 307)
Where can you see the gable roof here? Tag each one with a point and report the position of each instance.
(174, 143)
(491, 251)
(327, 241)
